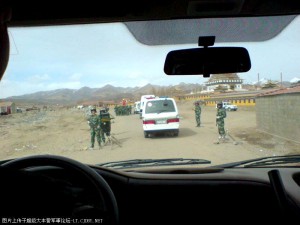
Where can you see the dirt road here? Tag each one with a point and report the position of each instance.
(66, 132)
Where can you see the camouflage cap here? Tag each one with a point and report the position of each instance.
(198, 102)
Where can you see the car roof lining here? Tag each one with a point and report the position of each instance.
(53, 12)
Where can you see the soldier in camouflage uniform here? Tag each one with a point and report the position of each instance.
(105, 123)
(197, 110)
(221, 115)
(95, 129)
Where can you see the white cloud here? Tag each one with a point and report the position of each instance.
(295, 80)
(76, 76)
(142, 83)
(38, 78)
(68, 85)
(134, 75)
(10, 88)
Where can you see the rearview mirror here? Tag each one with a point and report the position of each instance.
(207, 61)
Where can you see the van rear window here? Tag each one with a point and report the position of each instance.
(160, 106)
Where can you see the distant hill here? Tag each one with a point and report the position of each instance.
(111, 93)
(105, 93)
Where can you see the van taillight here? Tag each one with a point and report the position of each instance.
(149, 122)
(175, 120)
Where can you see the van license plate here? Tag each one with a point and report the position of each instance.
(161, 121)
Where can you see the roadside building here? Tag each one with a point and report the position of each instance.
(7, 108)
(241, 98)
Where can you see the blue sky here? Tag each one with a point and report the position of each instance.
(44, 58)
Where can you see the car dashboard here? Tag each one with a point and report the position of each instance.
(189, 196)
(185, 195)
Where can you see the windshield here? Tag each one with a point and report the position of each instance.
(158, 106)
(75, 91)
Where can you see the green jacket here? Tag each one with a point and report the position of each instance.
(94, 122)
(221, 114)
(197, 109)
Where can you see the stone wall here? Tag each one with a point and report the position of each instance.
(279, 115)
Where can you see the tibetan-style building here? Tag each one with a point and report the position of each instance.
(229, 81)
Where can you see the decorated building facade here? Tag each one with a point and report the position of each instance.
(224, 82)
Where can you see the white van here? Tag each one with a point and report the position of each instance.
(144, 98)
(160, 115)
(136, 107)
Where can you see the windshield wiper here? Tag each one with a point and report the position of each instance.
(264, 161)
(161, 111)
(154, 162)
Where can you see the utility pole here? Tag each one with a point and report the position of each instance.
(257, 81)
(281, 80)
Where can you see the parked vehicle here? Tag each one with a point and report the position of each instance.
(18, 110)
(228, 106)
(160, 115)
(142, 103)
(136, 107)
